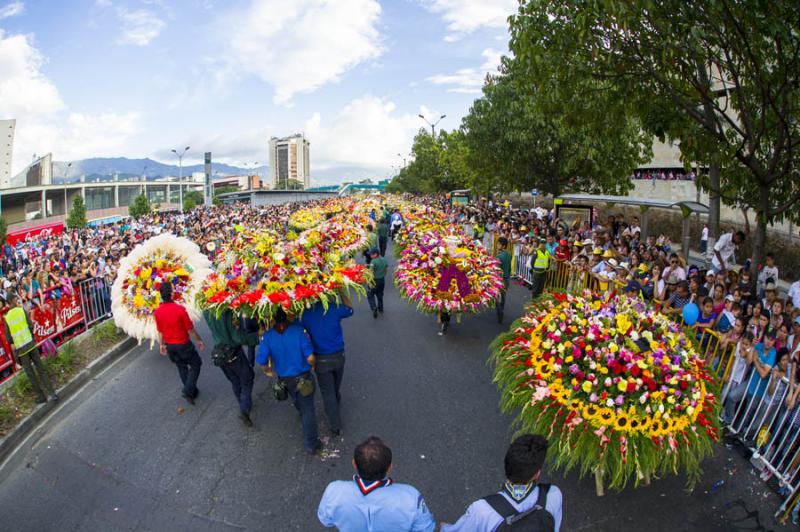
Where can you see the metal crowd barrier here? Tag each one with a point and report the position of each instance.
(95, 300)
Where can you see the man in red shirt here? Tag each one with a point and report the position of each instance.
(174, 328)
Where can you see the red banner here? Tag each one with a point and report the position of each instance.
(44, 321)
(55, 316)
(32, 233)
(69, 312)
(5, 349)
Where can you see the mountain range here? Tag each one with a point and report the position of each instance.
(105, 168)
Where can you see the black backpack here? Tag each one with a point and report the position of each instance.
(536, 519)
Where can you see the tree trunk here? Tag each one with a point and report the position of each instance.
(760, 236)
(713, 205)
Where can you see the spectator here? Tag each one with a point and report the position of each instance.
(372, 501)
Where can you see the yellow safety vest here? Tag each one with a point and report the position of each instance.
(542, 260)
(18, 328)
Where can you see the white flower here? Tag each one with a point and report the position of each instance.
(610, 403)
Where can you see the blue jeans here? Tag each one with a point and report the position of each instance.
(330, 370)
(305, 406)
(188, 361)
(241, 375)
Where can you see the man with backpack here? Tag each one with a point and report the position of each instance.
(523, 503)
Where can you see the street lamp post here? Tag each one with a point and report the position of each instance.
(433, 126)
(66, 180)
(404, 159)
(180, 175)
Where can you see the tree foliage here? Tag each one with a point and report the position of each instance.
(3, 230)
(77, 214)
(721, 77)
(140, 207)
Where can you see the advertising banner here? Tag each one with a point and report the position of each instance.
(32, 233)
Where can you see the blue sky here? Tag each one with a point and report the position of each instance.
(136, 78)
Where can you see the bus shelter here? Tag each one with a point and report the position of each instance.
(687, 208)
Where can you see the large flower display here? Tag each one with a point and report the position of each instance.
(258, 272)
(162, 259)
(618, 388)
(441, 269)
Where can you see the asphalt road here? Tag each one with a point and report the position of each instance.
(128, 453)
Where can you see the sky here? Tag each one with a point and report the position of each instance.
(137, 78)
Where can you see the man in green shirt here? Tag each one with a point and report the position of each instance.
(379, 267)
(372, 242)
(505, 265)
(383, 234)
(229, 337)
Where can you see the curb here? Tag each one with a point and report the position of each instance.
(9, 444)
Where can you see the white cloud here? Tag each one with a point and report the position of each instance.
(42, 126)
(139, 27)
(367, 132)
(12, 10)
(470, 80)
(466, 16)
(298, 46)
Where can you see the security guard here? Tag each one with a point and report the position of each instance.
(23, 347)
(286, 351)
(372, 501)
(229, 340)
(540, 266)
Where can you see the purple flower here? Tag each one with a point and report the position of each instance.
(619, 400)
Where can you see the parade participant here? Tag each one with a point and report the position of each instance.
(505, 265)
(286, 351)
(540, 266)
(229, 355)
(372, 242)
(23, 348)
(174, 329)
(327, 339)
(443, 319)
(395, 223)
(383, 234)
(379, 266)
(372, 500)
(532, 505)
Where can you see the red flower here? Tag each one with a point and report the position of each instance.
(683, 385)
(219, 297)
(251, 297)
(635, 371)
(278, 297)
(631, 387)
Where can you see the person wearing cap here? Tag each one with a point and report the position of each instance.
(505, 266)
(23, 346)
(539, 268)
(770, 295)
(726, 318)
(379, 266)
(562, 251)
(174, 331)
(604, 256)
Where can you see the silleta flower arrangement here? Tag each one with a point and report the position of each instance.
(618, 388)
(441, 269)
(162, 259)
(258, 272)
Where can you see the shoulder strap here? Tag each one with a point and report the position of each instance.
(542, 500)
(500, 505)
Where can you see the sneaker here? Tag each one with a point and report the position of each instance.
(246, 419)
(375, 313)
(315, 450)
(189, 399)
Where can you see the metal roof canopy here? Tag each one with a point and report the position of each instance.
(645, 204)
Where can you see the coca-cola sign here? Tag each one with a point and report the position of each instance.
(34, 233)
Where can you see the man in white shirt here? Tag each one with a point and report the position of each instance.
(724, 251)
(794, 294)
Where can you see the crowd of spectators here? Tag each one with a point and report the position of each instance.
(664, 175)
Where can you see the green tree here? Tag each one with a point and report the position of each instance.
(140, 207)
(189, 203)
(223, 190)
(723, 78)
(294, 184)
(77, 214)
(3, 230)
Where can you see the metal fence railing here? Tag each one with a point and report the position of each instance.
(95, 300)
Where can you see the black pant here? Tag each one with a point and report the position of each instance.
(367, 257)
(382, 244)
(500, 305)
(537, 284)
(241, 376)
(250, 326)
(375, 295)
(188, 361)
(37, 375)
(330, 370)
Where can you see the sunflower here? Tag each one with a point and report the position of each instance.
(590, 411)
(623, 422)
(576, 404)
(545, 369)
(606, 416)
(644, 423)
(635, 424)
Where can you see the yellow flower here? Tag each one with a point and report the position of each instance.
(622, 422)
(590, 411)
(622, 385)
(606, 416)
(613, 348)
(586, 386)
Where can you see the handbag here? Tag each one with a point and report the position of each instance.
(306, 386)
(280, 391)
(224, 354)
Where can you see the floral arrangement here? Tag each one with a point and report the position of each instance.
(618, 388)
(162, 259)
(441, 269)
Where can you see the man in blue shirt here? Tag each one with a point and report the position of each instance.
(325, 329)
(372, 501)
(521, 492)
(286, 351)
(762, 364)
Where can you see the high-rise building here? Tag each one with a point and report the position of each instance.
(6, 150)
(289, 160)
